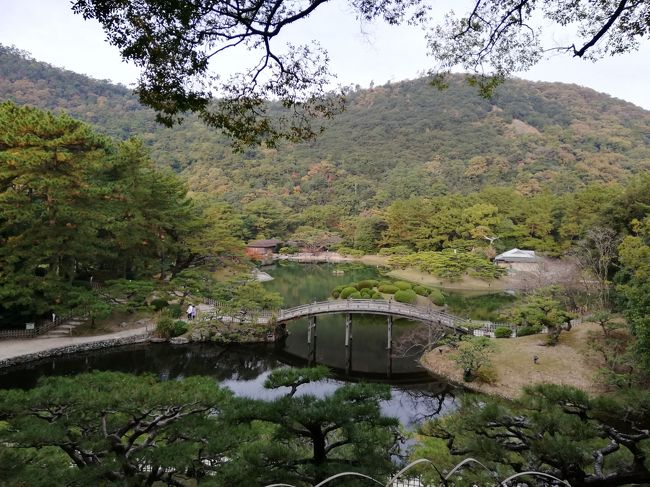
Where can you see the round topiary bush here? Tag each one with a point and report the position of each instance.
(502, 332)
(345, 293)
(366, 284)
(366, 293)
(406, 296)
(437, 297)
(403, 285)
(376, 295)
(421, 290)
(355, 295)
(388, 289)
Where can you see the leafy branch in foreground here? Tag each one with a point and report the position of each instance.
(601, 442)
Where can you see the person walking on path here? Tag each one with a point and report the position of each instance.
(194, 311)
(190, 312)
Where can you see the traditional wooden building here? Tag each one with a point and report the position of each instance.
(262, 249)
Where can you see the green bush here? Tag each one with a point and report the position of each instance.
(437, 297)
(173, 310)
(523, 331)
(486, 374)
(158, 304)
(290, 249)
(335, 294)
(421, 290)
(165, 327)
(368, 283)
(376, 295)
(366, 293)
(403, 285)
(385, 283)
(397, 250)
(355, 295)
(180, 327)
(350, 252)
(406, 296)
(388, 289)
(503, 332)
(345, 293)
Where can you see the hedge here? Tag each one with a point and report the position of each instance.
(406, 296)
(376, 296)
(523, 331)
(355, 295)
(502, 332)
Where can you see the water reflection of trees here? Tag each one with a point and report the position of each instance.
(165, 361)
(418, 340)
(429, 403)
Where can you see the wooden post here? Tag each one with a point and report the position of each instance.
(348, 343)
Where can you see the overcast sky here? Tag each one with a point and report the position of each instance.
(359, 53)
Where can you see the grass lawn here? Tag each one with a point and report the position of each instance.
(566, 363)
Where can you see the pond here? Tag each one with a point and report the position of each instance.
(415, 393)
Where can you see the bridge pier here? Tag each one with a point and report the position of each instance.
(311, 340)
(348, 343)
(389, 346)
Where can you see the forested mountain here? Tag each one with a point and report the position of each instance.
(393, 141)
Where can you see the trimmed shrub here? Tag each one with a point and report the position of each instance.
(368, 283)
(355, 295)
(158, 304)
(503, 332)
(388, 289)
(437, 297)
(523, 331)
(406, 296)
(347, 291)
(366, 293)
(335, 294)
(385, 283)
(421, 290)
(403, 285)
(376, 295)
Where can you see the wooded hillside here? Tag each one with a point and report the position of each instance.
(394, 141)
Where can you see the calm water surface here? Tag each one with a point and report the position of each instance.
(243, 369)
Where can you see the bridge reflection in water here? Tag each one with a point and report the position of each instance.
(434, 320)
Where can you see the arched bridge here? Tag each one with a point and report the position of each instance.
(349, 306)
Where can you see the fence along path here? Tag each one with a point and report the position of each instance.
(355, 306)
